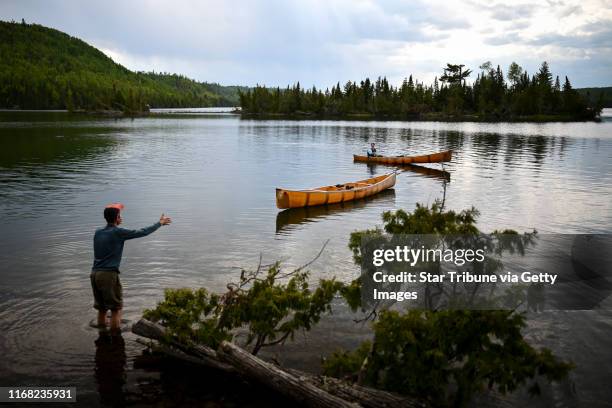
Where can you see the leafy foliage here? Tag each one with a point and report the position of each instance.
(346, 364)
(272, 306)
(190, 315)
(42, 68)
(424, 220)
(445, 356)
(489, 97)
(421, 352)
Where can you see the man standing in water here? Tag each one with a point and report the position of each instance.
(108, 248)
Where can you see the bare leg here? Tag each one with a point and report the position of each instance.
(101, 317)
(116, 319)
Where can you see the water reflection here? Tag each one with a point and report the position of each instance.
(488, 142)
(410, 141)
(452, 140)
(591, 258)
(51, 162)
(109, 371)
(563, 144)
(583, 265)
(514, 148)
(536, 297)
(45, 145)
(216, 176)
(539, 146)
(429, 172)
(296, 216)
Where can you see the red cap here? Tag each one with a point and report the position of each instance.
(118, 206)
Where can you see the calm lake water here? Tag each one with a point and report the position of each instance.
(215, 175)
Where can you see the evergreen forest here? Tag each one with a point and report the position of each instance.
(43, 68)
(493, 95)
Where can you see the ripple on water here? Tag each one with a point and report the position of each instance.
(216, 178)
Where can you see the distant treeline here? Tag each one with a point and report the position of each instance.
(42, 68)
(490, 97)
(601, 96)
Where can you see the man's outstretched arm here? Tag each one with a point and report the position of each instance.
(143, 232)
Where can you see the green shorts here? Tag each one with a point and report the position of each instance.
(107, 290)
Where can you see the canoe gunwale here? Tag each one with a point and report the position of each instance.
(323, 197)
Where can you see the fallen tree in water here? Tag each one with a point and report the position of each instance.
(271, 303)
(417, 357)
(311, 390)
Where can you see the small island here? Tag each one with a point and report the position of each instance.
(536, 98)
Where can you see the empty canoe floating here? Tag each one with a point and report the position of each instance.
(426, 158)
(334, 194)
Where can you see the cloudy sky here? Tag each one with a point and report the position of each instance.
(320, 42)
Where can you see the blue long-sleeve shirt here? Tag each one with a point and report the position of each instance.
(108, 245)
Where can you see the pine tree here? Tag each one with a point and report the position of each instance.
(569, 96)
(567, 86)
(544, 75)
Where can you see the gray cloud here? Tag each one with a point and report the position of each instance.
(520, 25)
(503, 12)
(592, 36)
(570, 10)
(509, 13)
(277, 42)
(421, 12)
(510, 37)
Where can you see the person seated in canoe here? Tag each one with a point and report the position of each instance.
(372, 150)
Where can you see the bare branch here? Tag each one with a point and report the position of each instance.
(307, 264)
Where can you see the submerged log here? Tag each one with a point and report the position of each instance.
(311, 390)
(279, 380)
(175, 353)
(154, 331)
(365, 396)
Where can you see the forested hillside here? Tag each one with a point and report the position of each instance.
(601, 96)
(43, 68)
(540, 96)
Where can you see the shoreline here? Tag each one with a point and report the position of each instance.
(473, 118)
(120, 114)
(420, 118)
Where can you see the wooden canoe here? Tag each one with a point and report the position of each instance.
(425, 158)
(334, 194)
(287, 219)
